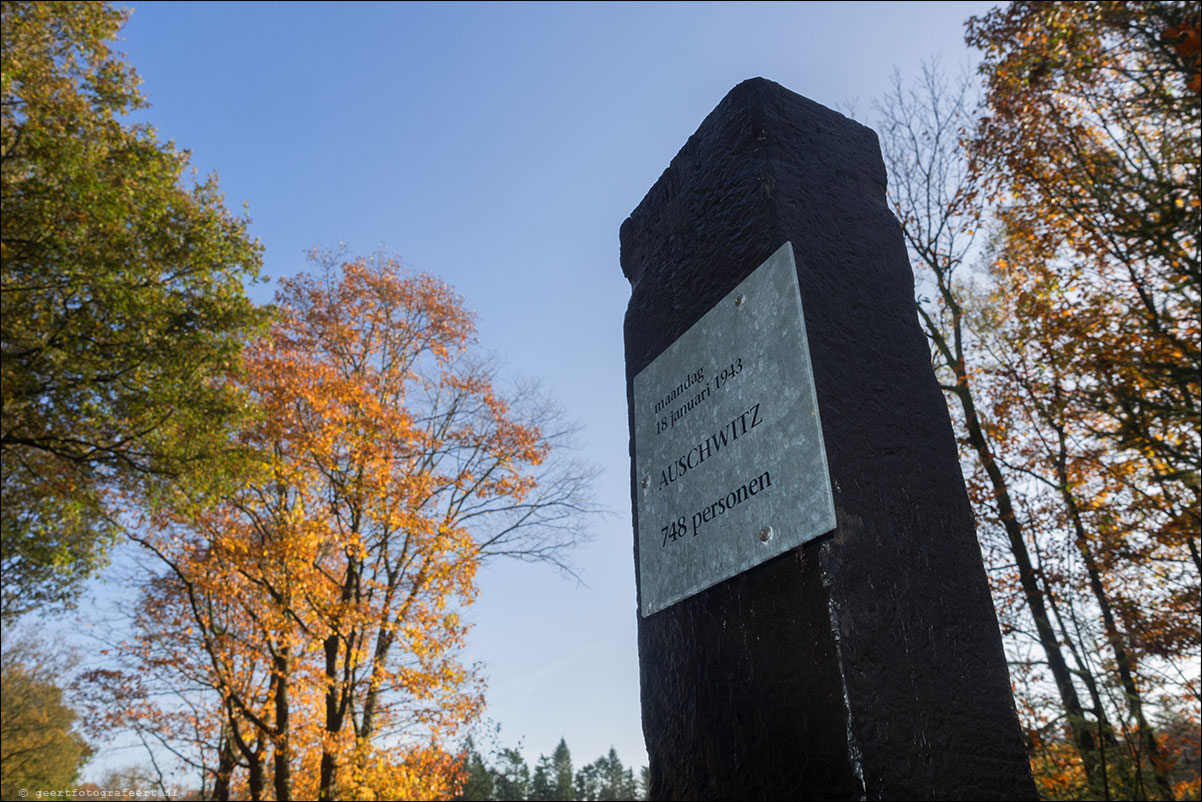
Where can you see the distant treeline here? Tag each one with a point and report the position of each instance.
(505, 775)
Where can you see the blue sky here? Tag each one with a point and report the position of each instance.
(500, 146)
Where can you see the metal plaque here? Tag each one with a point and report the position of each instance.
(730, 464)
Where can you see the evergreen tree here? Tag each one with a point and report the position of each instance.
(562, 775)
(511, 778)
(617, 781)
(478, 787)
(588, 781)
(541, 788)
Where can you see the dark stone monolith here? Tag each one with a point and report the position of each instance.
(867, 663)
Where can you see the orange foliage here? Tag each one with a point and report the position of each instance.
(319, 605)
(1092, 150)
(1073, 368)
(1093, 328)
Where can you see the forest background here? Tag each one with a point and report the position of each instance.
(302, 501)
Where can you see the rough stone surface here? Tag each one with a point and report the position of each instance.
(868, 663)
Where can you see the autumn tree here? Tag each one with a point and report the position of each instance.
(320, 606)
(1092, 138)
(123, 299)
(1094, 131)
(941, 207)
(40, 749)
(1091, 146)
(1070, 359)
(193, 698)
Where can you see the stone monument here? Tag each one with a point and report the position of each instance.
(814, 617)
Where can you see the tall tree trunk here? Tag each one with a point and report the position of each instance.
(253, 757)
(1082, 734)
(1105, 737)
(953, 353)
(337, 688)
(329, 757)
(256, 779)
(283, 751)
(1149, 744)
(226, 763)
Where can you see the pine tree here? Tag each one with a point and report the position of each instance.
(541, 788)
(478, 787)
(562, 775)
(512, 776)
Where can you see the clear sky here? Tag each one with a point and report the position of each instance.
(500, 146)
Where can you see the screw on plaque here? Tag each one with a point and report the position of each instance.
(765, 534)
(740, 299)
(645, 482)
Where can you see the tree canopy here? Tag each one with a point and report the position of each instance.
(1068, 342)
(123, 287)
(315, 610)
(1091, 143)
(40, 750)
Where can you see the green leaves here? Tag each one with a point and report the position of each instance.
(39, 749)
(124, 299)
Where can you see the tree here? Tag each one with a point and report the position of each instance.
(1070, 360)
(123, 295)
(606, 779)
(1091, 145)
(39, 748)
(553, 776)
(588, 780)
(939, 202)
(561, 774)
(477, 786)
(1062, 514)
(319, 605)
(511, 777)
(540, 781)
(1093, 136)
(618, 782)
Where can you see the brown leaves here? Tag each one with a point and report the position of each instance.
(1186, 40)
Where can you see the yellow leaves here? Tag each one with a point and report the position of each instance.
(347, 556)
